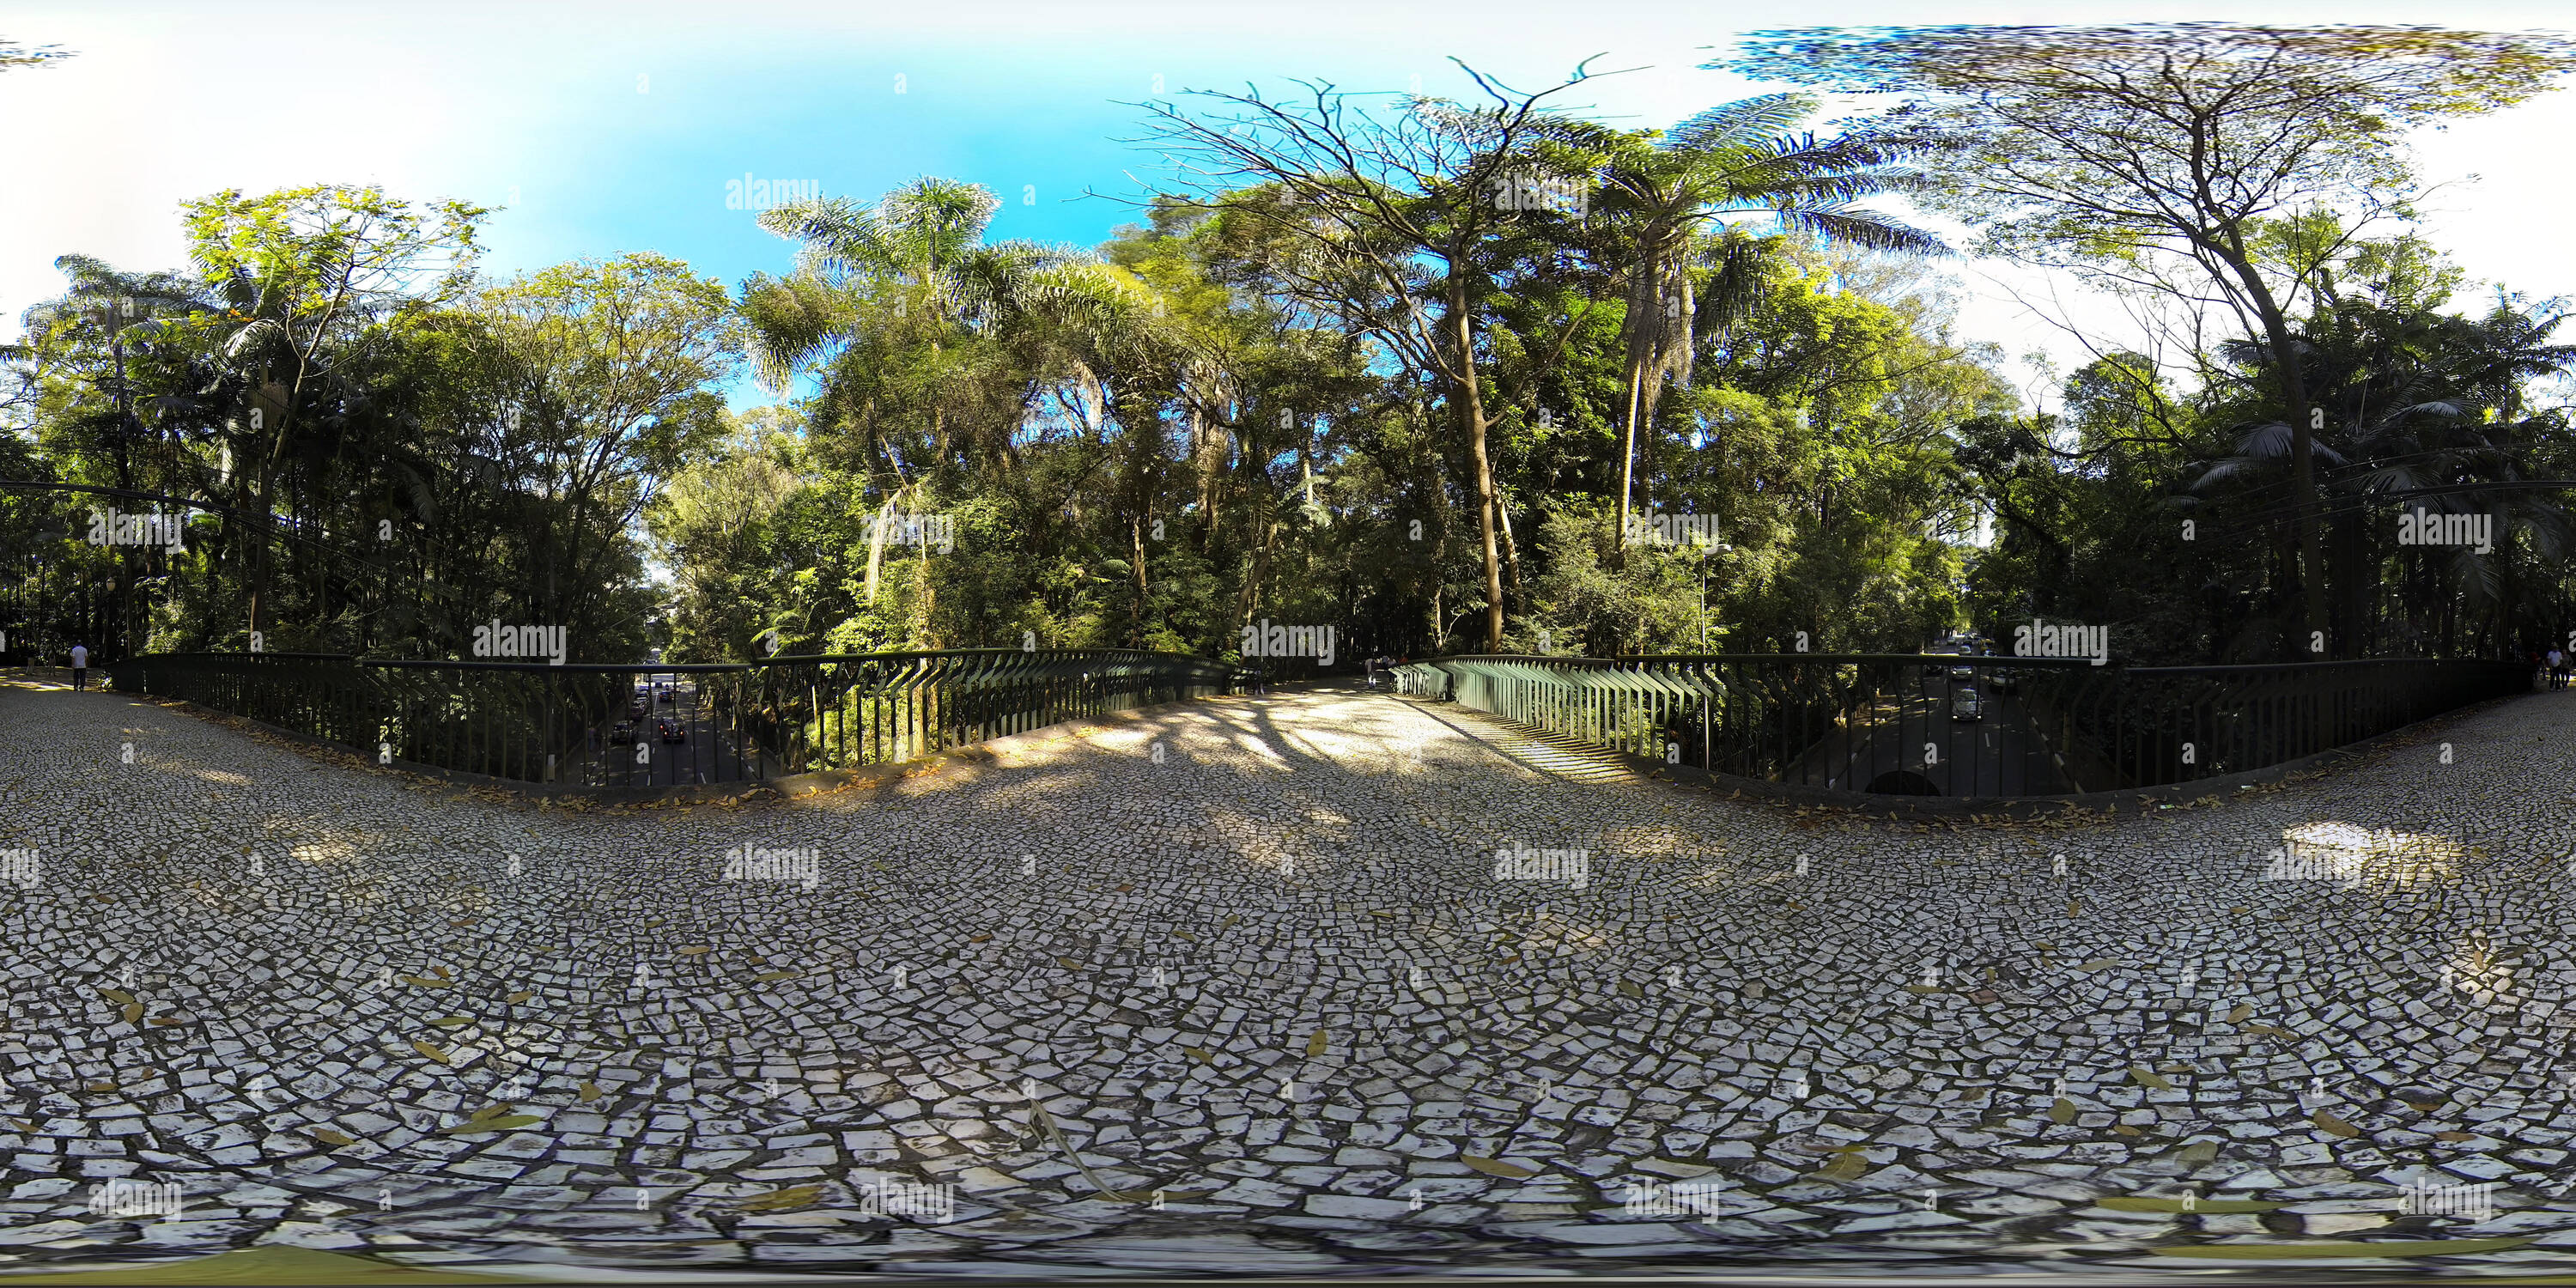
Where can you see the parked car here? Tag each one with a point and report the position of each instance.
(670, 730)
(638, 709)
(623, 733)
(1967, 704)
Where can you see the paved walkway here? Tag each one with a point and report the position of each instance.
(1255, 954)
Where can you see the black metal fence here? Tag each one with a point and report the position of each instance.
(647, 725)
(1938, 724)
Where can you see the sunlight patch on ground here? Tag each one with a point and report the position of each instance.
(2359, 856)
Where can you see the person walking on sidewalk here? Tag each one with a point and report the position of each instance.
(2557, 667)
(80, 667)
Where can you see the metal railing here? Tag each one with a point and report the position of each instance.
(1939, 724)
(649, 725)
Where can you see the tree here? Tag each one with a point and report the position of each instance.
(2109, 146)
(1736, 158)
(1399, 205)
(300, 275)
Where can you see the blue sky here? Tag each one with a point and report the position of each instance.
(613, 127)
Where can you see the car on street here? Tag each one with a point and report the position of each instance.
(624, 733)
(1963, 673)
(1967, 704)
(669, 730)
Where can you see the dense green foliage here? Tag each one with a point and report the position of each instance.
(1282, 396)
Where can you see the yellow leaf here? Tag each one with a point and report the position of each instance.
(2063, 1111)
(1629, 987)
(423, 981)
(165, 1021)
(2333, 1126)
(1848, 1167)
(452, 1021)
(1068, 963)
(977, 939)
(781, 1200)
(2129, 1203)
(2453, 1137)
(2149, 1078)
(2269, 1031)
(1231, 918)
(1201, 1056)
(775, 975)
(518, 997)
(1316, 1044)
(2098, 963)
(2126, 1130)
(1186, 935)
(330, 1137)
(477, 1126)
(695, 949)
(432, 1052)
(2075, 907)
(591, 1091)
(118, 996)
(133, 1012)
(2375, 1248)
(101, 1088)
(1496, 1167)
(2238, 1015)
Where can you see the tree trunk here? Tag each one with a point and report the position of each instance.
(1136, 538)
(2303, 475)
(1471, 411)
(1627, 460)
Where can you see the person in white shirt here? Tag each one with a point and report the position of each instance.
(2557, 669)
(80, 667)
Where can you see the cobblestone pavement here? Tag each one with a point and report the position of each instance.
(1281, 1006)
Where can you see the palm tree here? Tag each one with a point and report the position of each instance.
(1663, 188)
(914, 270)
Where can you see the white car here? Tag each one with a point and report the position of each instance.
(1967, 704)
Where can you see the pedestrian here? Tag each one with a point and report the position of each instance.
(80, 667)
(2557, 667)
